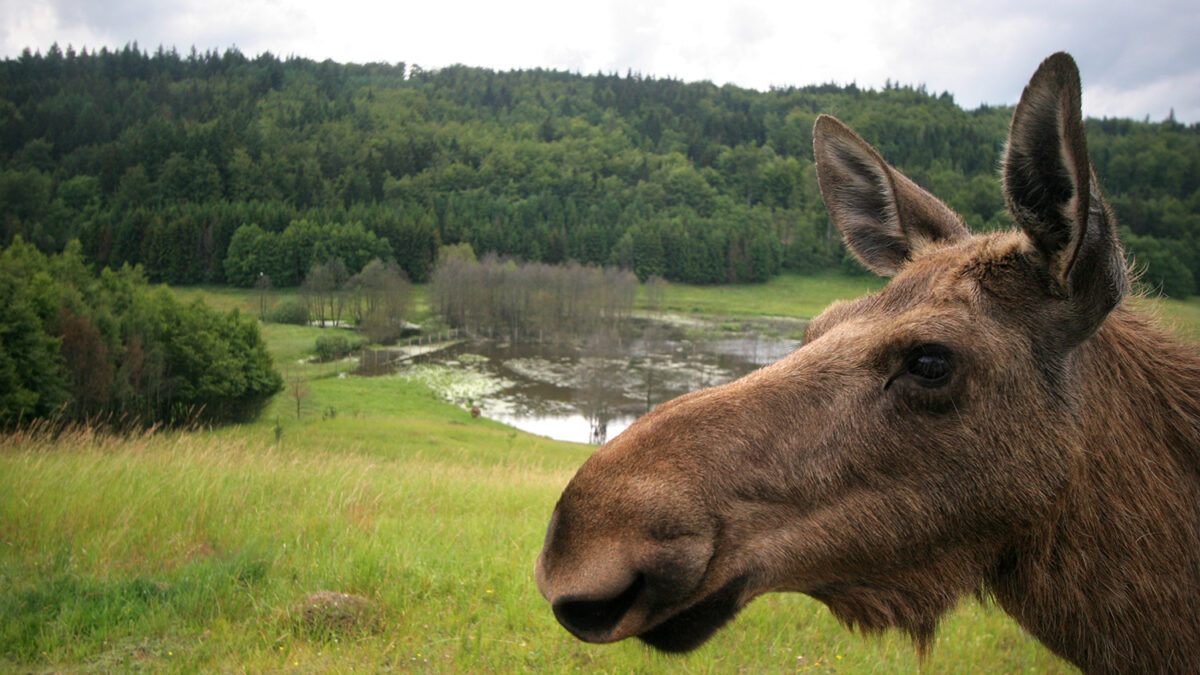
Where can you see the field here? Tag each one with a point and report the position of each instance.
(195, 550)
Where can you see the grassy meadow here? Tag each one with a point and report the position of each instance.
(184, 551)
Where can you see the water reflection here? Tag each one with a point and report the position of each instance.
(574, 394)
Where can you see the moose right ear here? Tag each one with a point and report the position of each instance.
(884, 217)
(1053, 196)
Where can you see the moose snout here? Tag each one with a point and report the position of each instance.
(592, 589)
(605, 587)
(594, 618)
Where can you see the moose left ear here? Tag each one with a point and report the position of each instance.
(1052, 194)
(883, 215)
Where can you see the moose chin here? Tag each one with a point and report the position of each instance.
(994, 421)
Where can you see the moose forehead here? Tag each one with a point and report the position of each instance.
(991, 276)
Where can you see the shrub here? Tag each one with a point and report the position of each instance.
(289, 311)
(333, 347)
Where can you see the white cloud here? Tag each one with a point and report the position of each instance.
(1153, 97)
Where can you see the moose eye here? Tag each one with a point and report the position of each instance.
(929, 366)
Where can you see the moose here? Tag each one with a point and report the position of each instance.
(992, 422)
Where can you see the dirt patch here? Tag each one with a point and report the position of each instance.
(330, 613)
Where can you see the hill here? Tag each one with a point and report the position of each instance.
(160, 159)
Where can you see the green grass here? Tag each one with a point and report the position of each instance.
(289, 343)
(192, 551)
(1181, 316)
(790, 295)
(225, 298)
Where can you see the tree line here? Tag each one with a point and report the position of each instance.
(77, 347)
(168, 160)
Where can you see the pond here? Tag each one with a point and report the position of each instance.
(590, 393)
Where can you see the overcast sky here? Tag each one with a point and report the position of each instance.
(1137, 58)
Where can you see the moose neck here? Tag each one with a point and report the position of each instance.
(1120, 559)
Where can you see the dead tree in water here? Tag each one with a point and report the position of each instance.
(600, 382)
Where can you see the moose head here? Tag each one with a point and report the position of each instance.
(956, 432)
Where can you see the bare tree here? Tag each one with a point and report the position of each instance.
(654, 341)
(533, 300)
(599, 382)
(263, 286)
(323, 291)
(297, 387)
(655, 289)
(379, 296)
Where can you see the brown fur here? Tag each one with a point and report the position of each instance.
(991, 422)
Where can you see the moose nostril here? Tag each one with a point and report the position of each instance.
(594, 619)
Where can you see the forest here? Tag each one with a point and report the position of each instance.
(110, 350)
(220, 168)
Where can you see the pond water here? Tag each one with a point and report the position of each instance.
(589, 394)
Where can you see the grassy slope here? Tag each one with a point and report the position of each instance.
(788, 295)
(1182, 317)
(191, 550)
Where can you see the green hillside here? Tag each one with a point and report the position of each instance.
(160, 159)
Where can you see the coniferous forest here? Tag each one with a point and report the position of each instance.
(221, 168)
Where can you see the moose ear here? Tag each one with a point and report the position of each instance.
(883, 216)
(1052, 194)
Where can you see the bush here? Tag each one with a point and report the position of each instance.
(333, 347)
(289, 311)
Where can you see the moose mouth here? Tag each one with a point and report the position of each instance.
(695, 625)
